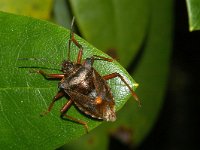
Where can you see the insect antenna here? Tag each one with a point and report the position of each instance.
(40, 60)
(70, 38)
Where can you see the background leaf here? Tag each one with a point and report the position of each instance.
(34, 8)
(194, 14)
(62, 13)
(24, 95)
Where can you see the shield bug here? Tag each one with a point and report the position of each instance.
(86, 88)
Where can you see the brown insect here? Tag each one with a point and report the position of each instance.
(87, 89)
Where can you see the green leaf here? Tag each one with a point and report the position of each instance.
(24, 95)
(193, 7)
(117, 25)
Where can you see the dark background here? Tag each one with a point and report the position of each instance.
(178, 125)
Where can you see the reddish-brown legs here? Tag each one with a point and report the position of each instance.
(97, 57)
(114, 75)
(80, 53)
(53, 76)
(58, 95)
(64, 110)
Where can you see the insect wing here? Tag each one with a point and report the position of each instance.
(87, 104)
(102, 89)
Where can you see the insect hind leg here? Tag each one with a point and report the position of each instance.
(64, 115)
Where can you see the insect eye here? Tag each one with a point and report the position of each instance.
(67, 66)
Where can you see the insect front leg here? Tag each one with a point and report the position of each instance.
(63, 115)
(72, 39)
(114, 75)
(50, 76)
(57, 97)
(80, 53)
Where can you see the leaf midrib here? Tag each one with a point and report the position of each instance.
(9, 88)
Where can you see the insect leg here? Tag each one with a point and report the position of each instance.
(114, 75)
(97, 57)
(58, 95)
(80, 53)
(71, 32)
(91, 60)
(64, 110)
(53, 76)
(72, 39)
